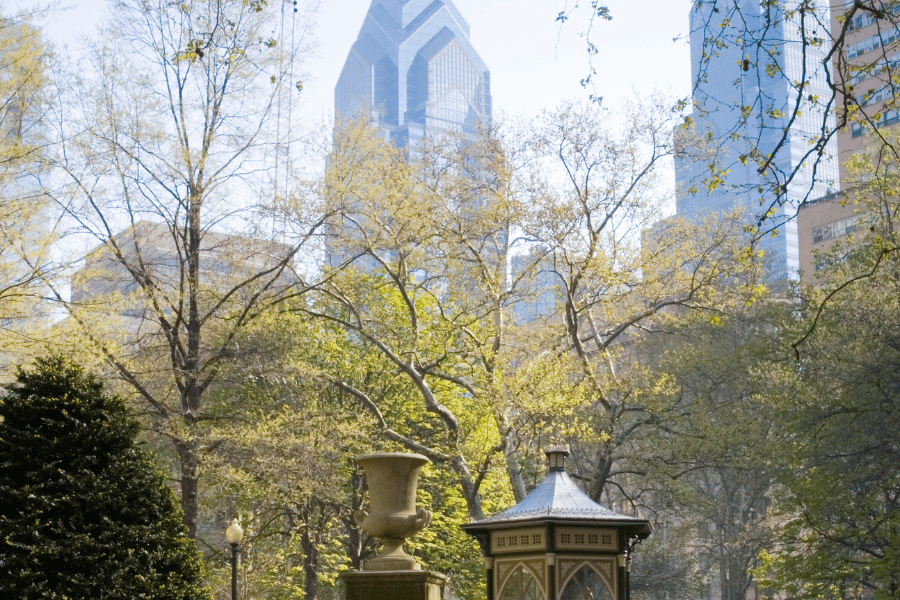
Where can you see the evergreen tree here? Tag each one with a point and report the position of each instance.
(84, 513)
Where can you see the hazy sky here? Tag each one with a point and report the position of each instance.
(534, 64)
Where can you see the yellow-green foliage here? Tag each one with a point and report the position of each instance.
(24, 63)
(26, 226)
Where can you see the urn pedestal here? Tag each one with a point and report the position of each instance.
(392, 517)
(393, 585)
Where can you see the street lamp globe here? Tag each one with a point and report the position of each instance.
(234, 534)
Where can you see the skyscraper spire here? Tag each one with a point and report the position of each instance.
(414, 71)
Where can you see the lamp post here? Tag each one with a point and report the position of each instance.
(234, 534)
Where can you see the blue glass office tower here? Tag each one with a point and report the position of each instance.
(750, 68)
(415, 71)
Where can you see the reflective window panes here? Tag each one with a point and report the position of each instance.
(413, 73)
(414, 69)
(521, 585)
(586, 585)
(744, 95)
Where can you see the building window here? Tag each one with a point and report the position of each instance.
(833, 230)
(876, 41)
(874, 96)
(865, 19)
(868, 70)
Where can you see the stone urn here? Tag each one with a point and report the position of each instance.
(392, 516)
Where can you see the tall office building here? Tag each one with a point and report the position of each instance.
(750, 69)
(865, 65)
(415, 71)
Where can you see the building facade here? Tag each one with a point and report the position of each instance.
(414, 71)
(869, 59)
(864, 68)
(820, 224)
(747, 58)
(155, 252)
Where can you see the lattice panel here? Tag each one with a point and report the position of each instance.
(576, 538)
(506, 568)
(511, 541)
(604, 567)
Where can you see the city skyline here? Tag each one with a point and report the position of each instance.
(519, 39)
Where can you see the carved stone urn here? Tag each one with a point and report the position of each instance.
(392, 516)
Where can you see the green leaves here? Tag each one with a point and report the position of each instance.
(83, 512)
(837, 500)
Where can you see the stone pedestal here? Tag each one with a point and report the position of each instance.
(393, 585)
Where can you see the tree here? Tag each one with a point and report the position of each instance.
(428, 239)
(284, 460)
(839, 500)
(430, 296)
(166, 156)
(84, 512)
(760, 44)
(621, 269)
(25, 65)
(711, 460)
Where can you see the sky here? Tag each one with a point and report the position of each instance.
(535, 64)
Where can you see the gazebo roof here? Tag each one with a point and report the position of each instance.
(558, 498)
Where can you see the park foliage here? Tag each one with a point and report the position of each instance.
(476, 301)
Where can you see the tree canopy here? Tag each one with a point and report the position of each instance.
(84, 512)
(164, 158)
(27, 228)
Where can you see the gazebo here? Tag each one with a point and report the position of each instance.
(558, 544)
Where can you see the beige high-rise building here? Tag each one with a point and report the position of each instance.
(150, 250)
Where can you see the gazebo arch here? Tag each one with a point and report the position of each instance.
(522, 581)
(588, 580)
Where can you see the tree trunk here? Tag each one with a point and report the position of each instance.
(514, 471)
(310, 545)
(354, 536)
(470, 491)
(191, 392)
(602, 467)
(189, 457)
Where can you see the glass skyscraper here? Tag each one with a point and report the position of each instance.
(414, 71)
(751, 68)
